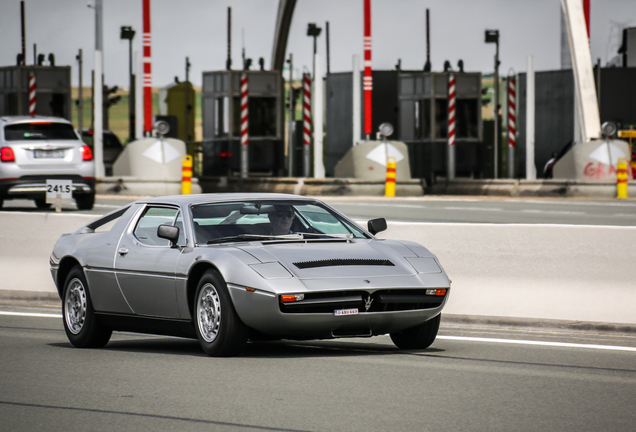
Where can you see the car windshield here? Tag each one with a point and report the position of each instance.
(263, 220)
(39, 131)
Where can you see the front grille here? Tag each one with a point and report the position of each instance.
(378, 301)
(343, 262)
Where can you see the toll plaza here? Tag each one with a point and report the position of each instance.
(416, 104)
(53, 90)
(221, 121)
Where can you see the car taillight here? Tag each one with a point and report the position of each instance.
(6, 154)
(87, 153)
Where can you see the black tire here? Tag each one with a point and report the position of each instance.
(80, 324)
(85, 201)
(1, 202)
(41, 204)
(418, 337)
(220, 331)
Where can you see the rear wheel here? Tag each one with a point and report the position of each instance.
(81, 326)
(220, 331)
(418, 337)
(41, 204)
(85, 201)
(1, 202)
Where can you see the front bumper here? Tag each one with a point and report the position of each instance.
(261, 310)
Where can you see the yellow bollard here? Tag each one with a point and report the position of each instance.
(389, 190)
(621, 178)
(186, 175)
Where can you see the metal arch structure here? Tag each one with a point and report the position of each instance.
(283, 23)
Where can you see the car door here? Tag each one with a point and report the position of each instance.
(145, 264)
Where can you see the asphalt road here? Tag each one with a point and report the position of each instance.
(439, 209)
(463, 382)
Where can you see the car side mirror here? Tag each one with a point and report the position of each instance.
(168, 232)
(375, 226)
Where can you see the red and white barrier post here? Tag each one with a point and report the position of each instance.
(244, 127)
(147, 68)
(512, 125)
(367, 79)
(451, 127)
(306, 123)
(32, 93)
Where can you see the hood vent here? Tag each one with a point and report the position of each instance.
(343, 262)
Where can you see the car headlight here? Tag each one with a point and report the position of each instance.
(273, 270)
(424, 265)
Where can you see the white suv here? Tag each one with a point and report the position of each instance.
(34, 149)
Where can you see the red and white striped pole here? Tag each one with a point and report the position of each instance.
(244, 127)
(32, 93)
(147, 69)
(512, 125)
(306, 123)
(451, 127)
(367, 77)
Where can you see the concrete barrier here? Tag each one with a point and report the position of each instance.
(558, 272)
(534, 272)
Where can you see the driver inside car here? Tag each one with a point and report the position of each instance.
(281, 220)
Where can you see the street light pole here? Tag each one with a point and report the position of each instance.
(128, 33)
(492, 36)
(80, 100)
(314, 31)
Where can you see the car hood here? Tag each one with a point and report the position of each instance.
(338, 259)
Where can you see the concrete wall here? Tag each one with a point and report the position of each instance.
(579, 273)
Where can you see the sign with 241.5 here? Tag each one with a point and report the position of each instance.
(64, 188)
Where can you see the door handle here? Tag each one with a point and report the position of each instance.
(123, 251)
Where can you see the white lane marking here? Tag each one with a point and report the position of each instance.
(108, 205)
(458, 338)
(624, 215)
(539, 343)
(92, 216)
(552, 211)
(473, 208)
(31, 314)
(386, 205)
(541, 225)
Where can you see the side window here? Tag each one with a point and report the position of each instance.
(146, 229)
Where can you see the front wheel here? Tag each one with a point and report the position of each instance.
(42, 204)
(85, 201)
(80, 324)
(418, 337)
(220, 331)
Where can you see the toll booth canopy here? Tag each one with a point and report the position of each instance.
(221, 118)
(53, 90)
(416, 104)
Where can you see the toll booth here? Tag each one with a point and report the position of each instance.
(221, 118)
(53, 94)
(177, 107)
(554, 110)
(416, 104)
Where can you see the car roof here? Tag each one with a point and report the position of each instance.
(183, 200)
(29, 119)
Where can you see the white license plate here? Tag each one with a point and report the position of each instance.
(341, 312)
(49, 154)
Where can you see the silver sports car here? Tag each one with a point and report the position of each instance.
(225, 268)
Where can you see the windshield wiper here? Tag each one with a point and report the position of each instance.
(325, 235)
(243, 237)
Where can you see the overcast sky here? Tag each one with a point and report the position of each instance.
(197, 28)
